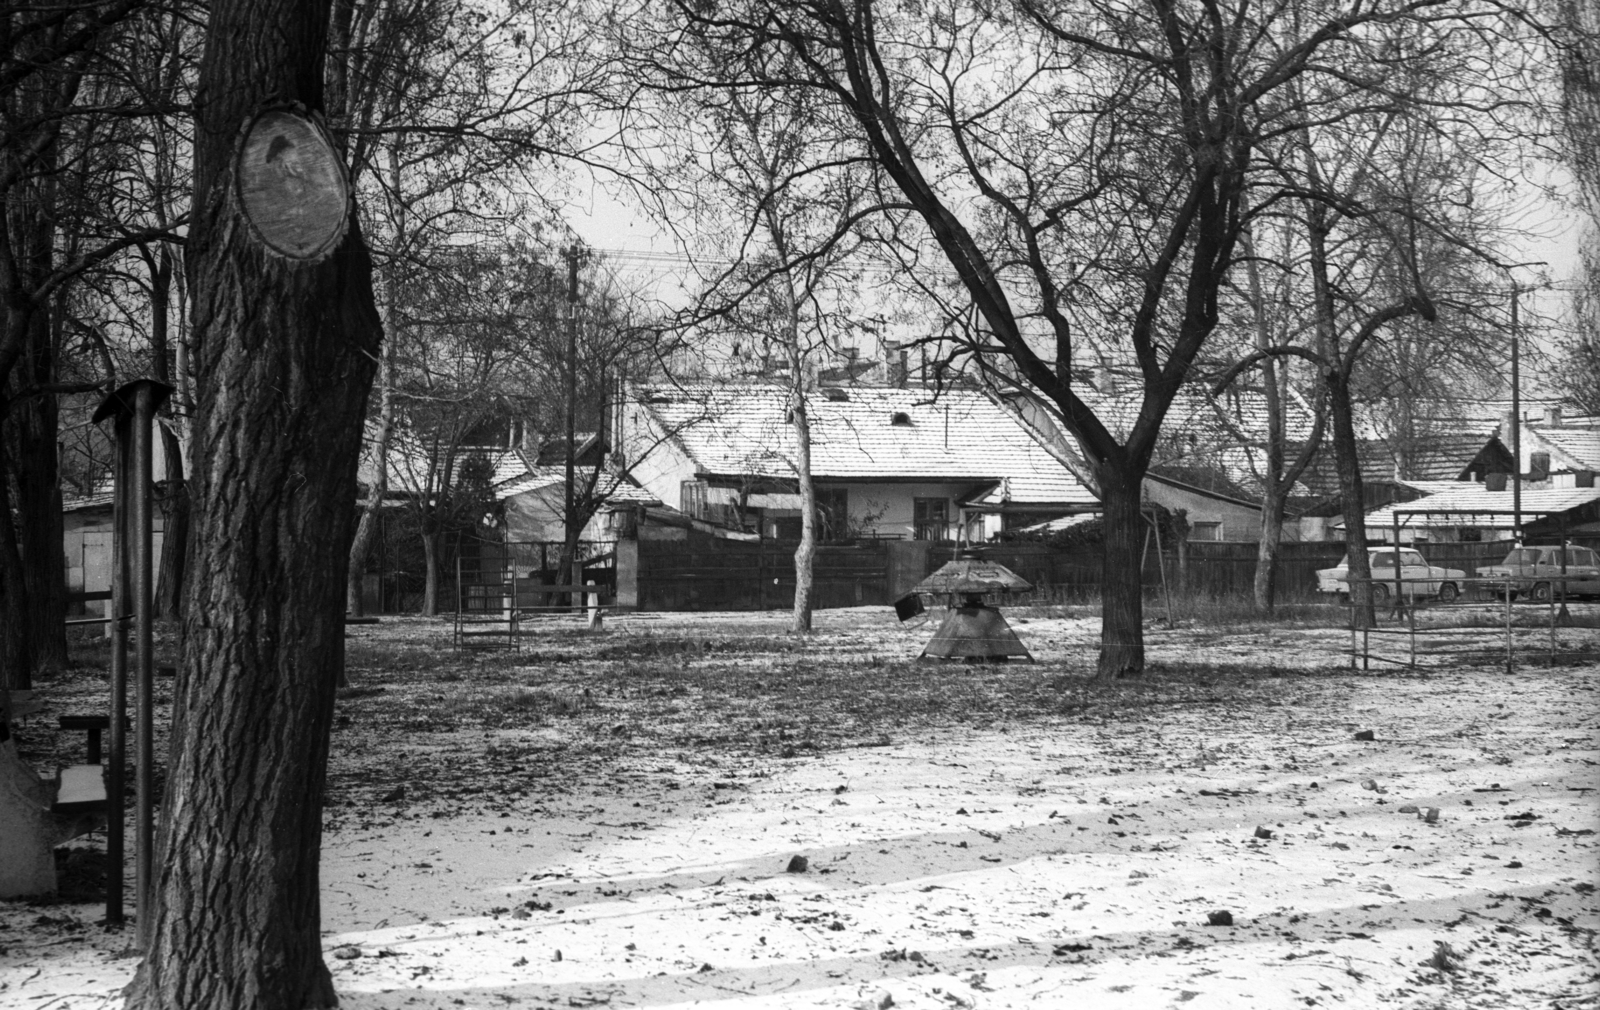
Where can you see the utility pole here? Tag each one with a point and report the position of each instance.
(573, 254)
(1516, 422)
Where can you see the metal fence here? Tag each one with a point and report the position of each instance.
(1486, 625)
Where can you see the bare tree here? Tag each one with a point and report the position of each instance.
(1578, 47)
(1398, 251)
(1279, 460)
(1080, 170)
(60, 89)
(773, 190)
(447, 108)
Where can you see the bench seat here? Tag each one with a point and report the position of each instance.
(82, 790)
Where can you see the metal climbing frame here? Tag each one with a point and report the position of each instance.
(1497, 633)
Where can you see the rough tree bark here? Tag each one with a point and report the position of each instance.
(37, 424)
(284, 348)
(430, 585)
(1121, 591)
(16, 646)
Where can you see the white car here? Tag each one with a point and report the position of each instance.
(1417, 577)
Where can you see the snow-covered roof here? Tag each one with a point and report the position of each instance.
(615, 489)
(860, 433)
(1580, 444)
(100, 499)
(1475, 505)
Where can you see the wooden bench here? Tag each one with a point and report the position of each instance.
(37, 814)
(93, 725)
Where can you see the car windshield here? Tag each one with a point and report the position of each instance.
(1522, 557)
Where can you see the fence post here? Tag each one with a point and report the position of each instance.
(1511, 664)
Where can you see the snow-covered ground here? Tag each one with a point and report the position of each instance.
(1060, 859)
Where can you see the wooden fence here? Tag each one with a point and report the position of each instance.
(713, 574)
(705, 573)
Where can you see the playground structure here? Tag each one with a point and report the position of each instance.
(1497, 627)
(972, 630)
(510, 588)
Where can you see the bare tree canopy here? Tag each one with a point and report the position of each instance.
(1082, 172)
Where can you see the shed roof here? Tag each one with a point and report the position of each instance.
(1474, 505)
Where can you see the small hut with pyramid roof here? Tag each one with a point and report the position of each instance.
(972, 630)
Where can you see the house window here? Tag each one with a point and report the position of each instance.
(1205, 531)
(929, 518)
(692, 498)
(900, 419)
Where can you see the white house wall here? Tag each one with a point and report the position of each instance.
(896, 503)
(1239, 522)
(660, 467)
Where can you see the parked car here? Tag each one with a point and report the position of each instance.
(1535, 572)
(1417, 577)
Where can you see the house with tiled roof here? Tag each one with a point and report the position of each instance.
(887, 461)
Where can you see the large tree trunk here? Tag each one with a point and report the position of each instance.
(430, 584)
(284, 352)
(1336, 380)
(16, 644)
(175, 533)
(805, 555)
(175, 499)
(1352, 498)
(367, 528)
(37, 421)
(1274, 488)
(1266, 580)
(1122, 579)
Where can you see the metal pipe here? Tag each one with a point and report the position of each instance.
(1399, 589)
(1516, 423)
(118, 688)
(144, 657)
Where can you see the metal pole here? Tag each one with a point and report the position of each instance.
(1411, 621)
(1563, 616)
(1516, 423)
(132, 409)
(144, 660)
(568, 556)
(115, 775)
(1399, 588)
(1510, 660)
(1166, 594)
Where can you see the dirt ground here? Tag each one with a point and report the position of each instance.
(613, 820)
